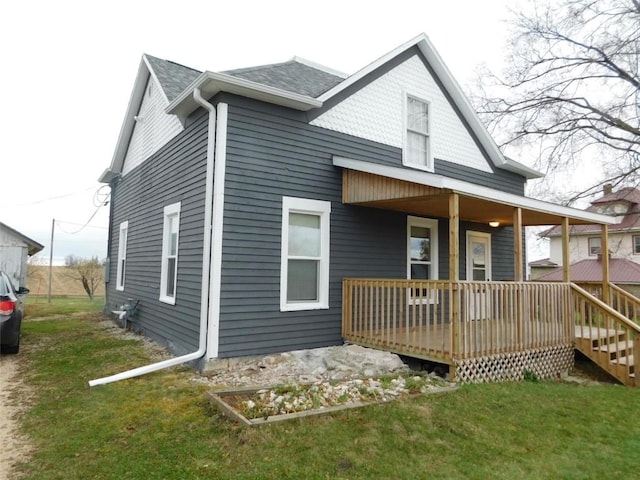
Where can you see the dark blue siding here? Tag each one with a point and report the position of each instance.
(174, 174)
(271, 154)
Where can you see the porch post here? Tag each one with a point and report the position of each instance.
(454, 244)
(566, 261)
(454, 276)
(604, 254)
(517, 245)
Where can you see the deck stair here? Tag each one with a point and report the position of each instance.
(609, 349)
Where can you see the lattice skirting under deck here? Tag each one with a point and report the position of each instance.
(544, 363)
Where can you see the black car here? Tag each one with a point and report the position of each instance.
(11, 311)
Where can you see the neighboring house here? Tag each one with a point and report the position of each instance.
(15, 250)
(622, 272)
(585, 240)
(243, 200)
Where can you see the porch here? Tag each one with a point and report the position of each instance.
(493, 331)
(484, 330)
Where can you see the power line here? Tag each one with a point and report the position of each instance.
(83, 226)
(58, 197)
(78, 225)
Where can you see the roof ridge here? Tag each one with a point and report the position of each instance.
(318, 66)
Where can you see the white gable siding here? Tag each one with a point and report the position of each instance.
(153, 129)
(376, 113)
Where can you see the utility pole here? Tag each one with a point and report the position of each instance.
(53, 226)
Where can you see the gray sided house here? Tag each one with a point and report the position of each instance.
(242, 200)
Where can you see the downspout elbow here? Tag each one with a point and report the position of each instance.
(206, 263)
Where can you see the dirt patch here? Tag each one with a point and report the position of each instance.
(15, 446)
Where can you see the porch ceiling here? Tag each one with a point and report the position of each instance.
(427, 194)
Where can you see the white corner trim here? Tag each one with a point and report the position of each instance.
(215, 285)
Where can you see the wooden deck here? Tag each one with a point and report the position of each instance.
(491, 330)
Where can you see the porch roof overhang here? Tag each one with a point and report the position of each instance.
(427, 194)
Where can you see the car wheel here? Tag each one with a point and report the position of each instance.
(10, 349)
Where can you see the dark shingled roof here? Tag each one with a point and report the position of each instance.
(173, 77)
(292, 76)
(621, 270)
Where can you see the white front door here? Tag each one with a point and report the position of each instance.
(478, 256)
(478, 270)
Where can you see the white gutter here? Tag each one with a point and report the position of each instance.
(206, 263)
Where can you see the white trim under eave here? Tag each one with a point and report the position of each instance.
(471, 190)
(211, 83)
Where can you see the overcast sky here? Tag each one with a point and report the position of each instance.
(68, 69)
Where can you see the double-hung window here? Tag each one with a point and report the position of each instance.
(122, 255)
(594, 246)
(417, 148)
(422, 252)
(169, 269)
(304, 269)
(636, 244)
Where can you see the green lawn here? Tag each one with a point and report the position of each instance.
(161, 427)
(39, 306)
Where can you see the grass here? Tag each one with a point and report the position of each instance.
(40, 307)
(161, 427)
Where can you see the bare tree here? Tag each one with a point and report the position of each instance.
(570, 93)
(89, 272)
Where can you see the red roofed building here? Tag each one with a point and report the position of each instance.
(585, 242)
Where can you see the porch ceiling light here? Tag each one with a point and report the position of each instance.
(494, 223)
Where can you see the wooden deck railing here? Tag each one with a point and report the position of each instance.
(619, 299)
(404, 316)
(443, 320)
(607, 336)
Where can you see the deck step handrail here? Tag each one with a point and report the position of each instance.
(624, 302)
(606, 336)
(619, 299)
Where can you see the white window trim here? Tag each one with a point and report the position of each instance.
(429, 167)
(433, 225)
(121, 270)
(633, 244)
(169, 211)
(323, 210)
(589, 246)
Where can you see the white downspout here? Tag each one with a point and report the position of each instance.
(206, 263)
(213, 331)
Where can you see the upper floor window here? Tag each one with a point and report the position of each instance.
(169, 269)
(304, 270)
(122, 255)
(594, 246)
(417, 150)
(636, 244)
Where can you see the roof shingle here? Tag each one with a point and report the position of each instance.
(292, 76)
(173, 77)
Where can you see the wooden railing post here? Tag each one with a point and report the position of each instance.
(604, 242)
(636, 359)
